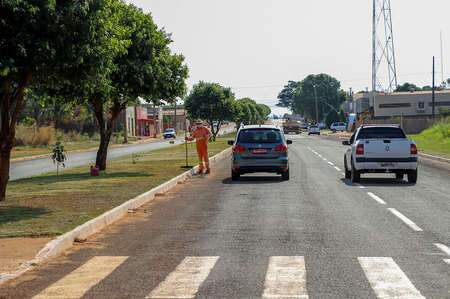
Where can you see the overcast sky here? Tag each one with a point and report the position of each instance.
(256, 46)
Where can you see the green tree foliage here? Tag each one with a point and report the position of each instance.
(407, 87)
(331, 117)
(286, 96)
(248, 112)
(41, 44)
(328, 92)
(211, 102)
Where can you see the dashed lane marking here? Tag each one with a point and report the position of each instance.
(447, 261)
(186, 279)
(405, 219)
(331, 163)
(443, 248)
(376, 198)
(286, 278)
(337, 168)
(387, 279)
(79, 281)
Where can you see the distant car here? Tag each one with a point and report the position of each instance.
(338, 127)
(169, 133)
(304, 126)
(260, 149)
(313, 129)
(322, 126)
(380, 149)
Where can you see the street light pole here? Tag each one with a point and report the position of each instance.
(317, 105)
(433, 96)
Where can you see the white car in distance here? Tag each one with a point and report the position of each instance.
(338, 127)
(313, 129)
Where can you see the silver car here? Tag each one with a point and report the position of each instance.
(260, 149)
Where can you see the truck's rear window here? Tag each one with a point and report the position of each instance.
(260, 136)
(381, 133)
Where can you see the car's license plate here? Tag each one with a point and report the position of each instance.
(387, 164)
(259, 151)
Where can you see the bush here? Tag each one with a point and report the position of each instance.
(33, 136)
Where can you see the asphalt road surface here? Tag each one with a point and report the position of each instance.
(315, 236)
(24, 169)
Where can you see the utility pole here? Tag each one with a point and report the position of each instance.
(442, 61)
(433, 95)
(317, 105)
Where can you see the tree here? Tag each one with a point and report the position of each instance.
(327, 90)
(286, 96)
(263, 112)
(41, 44)
(148, 70)
(407, 87)
(211, 102)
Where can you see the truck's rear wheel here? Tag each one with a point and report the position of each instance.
(348, 173)
(412, 176)
(355, 175)
(285, 175)
(235, 175)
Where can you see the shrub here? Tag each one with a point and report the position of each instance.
(33, 136)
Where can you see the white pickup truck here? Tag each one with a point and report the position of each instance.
(380, 149)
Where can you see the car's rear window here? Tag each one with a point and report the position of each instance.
(381, 133)
(260, 136)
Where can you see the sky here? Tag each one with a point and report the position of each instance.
(256, 46)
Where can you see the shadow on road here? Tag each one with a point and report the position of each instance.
(253, 180)
(376, 182)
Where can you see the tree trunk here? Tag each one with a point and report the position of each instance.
(106, 129)
(11, 105)
(102, 153)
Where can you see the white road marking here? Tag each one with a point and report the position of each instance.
(362, 187)
(286, 278)
(343, 173)
(376, 198)
(405, 219)
(387, 279)
(447, 261)
(79, 281)
(444, 248)
(337, 168)
(186, 279)
(330, 163)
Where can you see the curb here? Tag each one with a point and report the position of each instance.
(435, 158)
(59, 245)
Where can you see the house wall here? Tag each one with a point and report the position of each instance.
(409, 104)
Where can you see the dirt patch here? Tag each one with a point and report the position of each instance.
(15, 251)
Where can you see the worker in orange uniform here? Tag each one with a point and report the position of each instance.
(201, 134)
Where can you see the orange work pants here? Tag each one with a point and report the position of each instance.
(202, 151)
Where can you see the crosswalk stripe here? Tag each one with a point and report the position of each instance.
(286, 278)
(387, 279)
(186, 279)
(79, 281)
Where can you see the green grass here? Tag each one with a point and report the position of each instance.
(435, 140)
(48, 205)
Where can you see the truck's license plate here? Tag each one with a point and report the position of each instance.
(387, 164)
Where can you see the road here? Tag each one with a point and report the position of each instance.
(315, 236)
(24, 169)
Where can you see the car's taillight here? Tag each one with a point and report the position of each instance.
(239, 149)
(413, 149)
(360, 149)
(280, 148)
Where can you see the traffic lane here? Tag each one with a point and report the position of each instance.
(246, 223)
(427, 203)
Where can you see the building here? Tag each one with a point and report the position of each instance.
(409, 104)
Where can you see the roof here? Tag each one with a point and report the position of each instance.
(402, 93)
(380, 126)
(261, 127)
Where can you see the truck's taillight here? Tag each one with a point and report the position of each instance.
(239, 149)
(413, 149)
(280, 148)
(360, 149)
